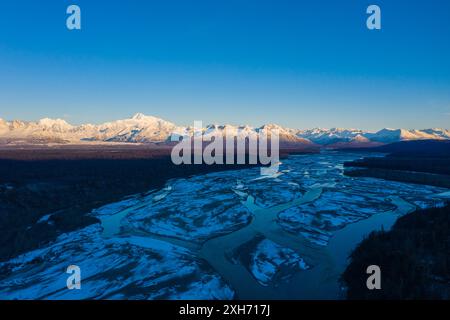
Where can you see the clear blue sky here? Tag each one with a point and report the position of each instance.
(297, 63)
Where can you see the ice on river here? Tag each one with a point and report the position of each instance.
(195, 210)
(131, 268)
(268, 262)
(138, 257)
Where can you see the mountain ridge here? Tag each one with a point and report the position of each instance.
(142, 128)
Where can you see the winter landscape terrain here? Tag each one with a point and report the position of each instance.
(135, 140)
(222, 235)
(151, 230)
(148, 129)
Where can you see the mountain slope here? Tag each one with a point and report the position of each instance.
(147, 129)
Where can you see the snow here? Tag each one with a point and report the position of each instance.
(142, 128)
(193, 209)
(132, 268)
(57, 125)
(270, 262)
(146, 246)
(45, 219)
(113, 208)
(344, 200)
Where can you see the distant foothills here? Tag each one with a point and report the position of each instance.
(147, 129)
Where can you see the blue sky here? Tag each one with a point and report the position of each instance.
(296, 63)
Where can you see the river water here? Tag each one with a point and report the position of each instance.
(350, 209)
(223, 235)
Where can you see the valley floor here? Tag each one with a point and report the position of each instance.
(218, 235)
(47, 191)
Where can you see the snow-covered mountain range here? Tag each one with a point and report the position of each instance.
(145, 129)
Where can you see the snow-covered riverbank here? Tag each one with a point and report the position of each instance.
(188, 239)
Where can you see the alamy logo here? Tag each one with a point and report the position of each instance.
(219, 145)
(74, 280)
(374, 20)
(73, 22)
(374, 280)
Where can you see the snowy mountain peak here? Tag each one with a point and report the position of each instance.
(141, 116)
(138, 116)
(388, 135)
(143, 129)
(360, 138)
(271, 126)
(144, 119)
(56, 124)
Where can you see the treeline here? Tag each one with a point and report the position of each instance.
(414, 258)
(423, 162)
(419, 164)
(431, 179)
